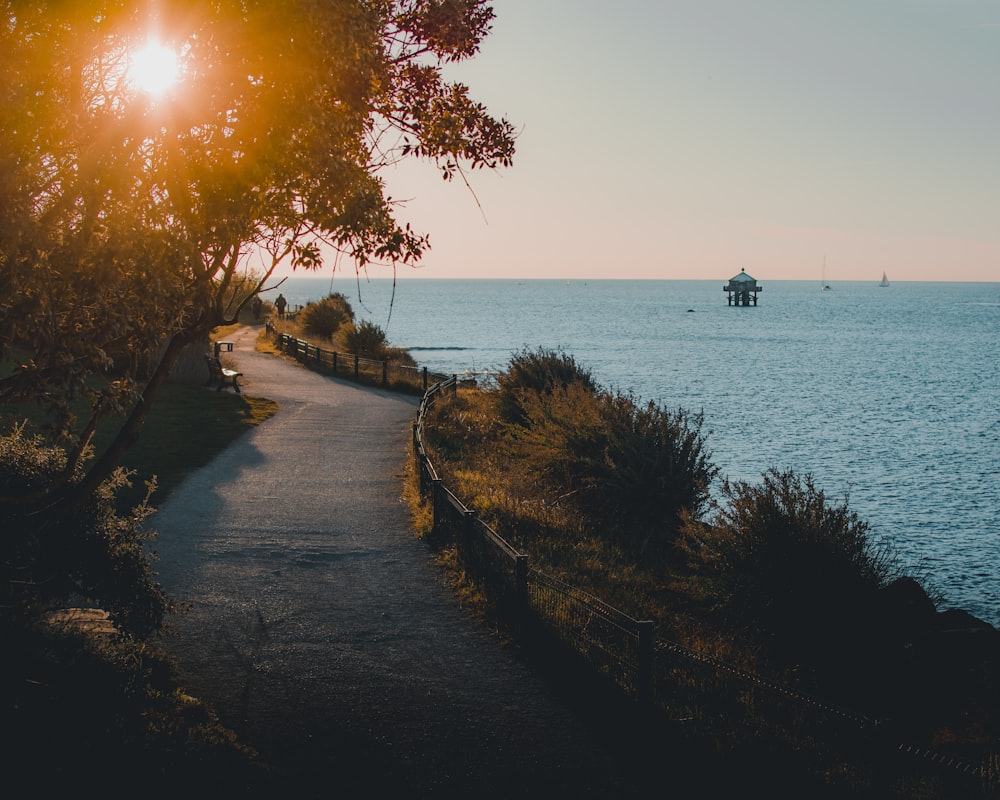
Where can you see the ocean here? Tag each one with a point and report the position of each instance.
(888, 396)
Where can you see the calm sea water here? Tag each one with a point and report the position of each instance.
(889, 396)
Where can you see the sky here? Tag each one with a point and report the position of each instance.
(689, 139)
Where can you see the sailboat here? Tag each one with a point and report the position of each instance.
(823, 285)
(885, 280)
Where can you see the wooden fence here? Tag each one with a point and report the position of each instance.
(384, 373)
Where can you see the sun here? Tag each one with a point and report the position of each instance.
(154, 69)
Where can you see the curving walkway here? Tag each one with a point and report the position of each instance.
(322, 631)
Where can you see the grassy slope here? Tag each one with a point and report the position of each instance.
(187, 428)
(86, 711)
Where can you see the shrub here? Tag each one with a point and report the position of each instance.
(656, 467)
(539, 371)
(95, 710)
(634, 468)
(367, 340)
(779, 559)
(324, 317)
(87, 552)
(560, 439)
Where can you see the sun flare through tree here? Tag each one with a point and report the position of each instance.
(150, 185)
(154, 68)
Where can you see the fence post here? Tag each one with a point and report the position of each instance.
(645, 676)
(425, 379)
(469, 529)
(521, 586)
(436, 487)
(356, 362)
(385, 373)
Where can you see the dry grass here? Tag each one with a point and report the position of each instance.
(471, 453)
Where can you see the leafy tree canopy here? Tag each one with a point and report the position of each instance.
(135, 222)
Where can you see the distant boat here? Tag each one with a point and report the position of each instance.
(823, 285)
(885, 280)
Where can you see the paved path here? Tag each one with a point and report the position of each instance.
(322, 631)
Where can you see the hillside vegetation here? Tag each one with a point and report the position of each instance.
(622, 499)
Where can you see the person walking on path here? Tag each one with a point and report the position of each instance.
(322, 631)
(280, 304)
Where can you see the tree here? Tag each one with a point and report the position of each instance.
(129, 217)
(135, 221)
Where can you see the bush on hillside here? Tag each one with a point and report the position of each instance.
(87, 552)
(87, 711)
(324, 317)
(656, 471)
(634, 468)
(537, 371)
(367, 340)
(781, 560)
(560, 439)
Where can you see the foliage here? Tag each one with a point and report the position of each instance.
(89, 552)
(134, 224)
(323, 318)
(86, 711)
(537, 371)
(463, 429)
(633, 468)
(656, 471)
(480, 459)
(782, 559)
(560, 459)
(132, 220)
(365, 339)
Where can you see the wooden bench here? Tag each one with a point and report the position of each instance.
(221, 375)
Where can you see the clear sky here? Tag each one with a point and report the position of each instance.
(692, 138)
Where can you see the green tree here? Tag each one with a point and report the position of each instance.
(129, 217)
(656, 472)
(636, 467)
(136, 222)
